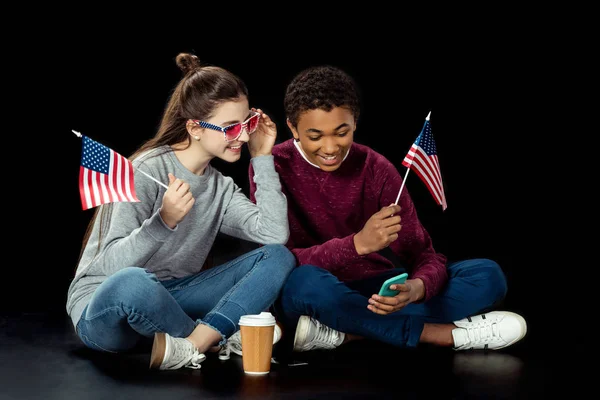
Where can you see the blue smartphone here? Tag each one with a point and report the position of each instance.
(385, 288)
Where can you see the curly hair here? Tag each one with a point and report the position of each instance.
(323, 87)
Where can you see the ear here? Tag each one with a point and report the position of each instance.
(294, 131)
(189, 126)
(193, 129)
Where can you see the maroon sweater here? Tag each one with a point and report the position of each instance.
(326, 210)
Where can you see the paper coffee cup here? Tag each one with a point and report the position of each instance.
(257, 342)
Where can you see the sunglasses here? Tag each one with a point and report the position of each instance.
(234, 131)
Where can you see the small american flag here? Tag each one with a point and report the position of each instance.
(104, 176)
(423, 160)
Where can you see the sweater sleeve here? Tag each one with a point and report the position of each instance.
(134, 233)
(264, 219)
(333, 255)
(413, 246)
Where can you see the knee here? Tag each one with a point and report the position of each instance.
(131, 282)
(284, 256)
(286, 261)
(494, 276)
(311, 290)
(282, 260)
(306, 281)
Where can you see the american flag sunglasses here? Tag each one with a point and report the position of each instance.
(234, 131)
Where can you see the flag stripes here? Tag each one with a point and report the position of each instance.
(423, 160)
(105, 176)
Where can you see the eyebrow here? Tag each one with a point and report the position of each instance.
(236, 122)
(313, 130)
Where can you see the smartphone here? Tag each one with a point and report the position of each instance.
(385, 288)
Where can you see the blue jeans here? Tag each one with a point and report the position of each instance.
(474, 286)
(133, 304)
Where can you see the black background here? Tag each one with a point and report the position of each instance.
(113, 89)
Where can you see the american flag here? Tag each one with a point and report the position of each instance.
(105, 176)
(423, 160)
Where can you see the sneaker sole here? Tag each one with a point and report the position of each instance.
(301, 331)
(224, 357)
(523, 325)
(158, 350)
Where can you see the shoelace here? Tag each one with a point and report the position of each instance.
(196, 359)
(224, 352)
(190, 356)
(488, 332)
(235, 345)
(326, 336)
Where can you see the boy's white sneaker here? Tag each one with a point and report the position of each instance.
(313, 335)
(489, 331)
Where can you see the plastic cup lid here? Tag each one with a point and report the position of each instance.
(262, 319)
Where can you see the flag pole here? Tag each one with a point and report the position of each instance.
(160, 183)
(402, 186)
(408, 170)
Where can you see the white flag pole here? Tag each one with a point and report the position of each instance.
(402, 186)
(160, 183)
(407, 171)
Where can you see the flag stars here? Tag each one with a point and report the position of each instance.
(95, 156)
(426, 141)
(422, 158)
(105, 176)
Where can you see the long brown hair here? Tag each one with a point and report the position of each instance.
(201, 89)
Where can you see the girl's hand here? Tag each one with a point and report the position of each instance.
(177, 202)
(261, 142)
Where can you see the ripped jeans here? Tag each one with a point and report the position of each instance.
(133, 304)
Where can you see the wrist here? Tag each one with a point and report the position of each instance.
(421, 291)
(357, 246)
(166, 220)
(253, 155)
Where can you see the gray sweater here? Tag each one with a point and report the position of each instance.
(138, 237)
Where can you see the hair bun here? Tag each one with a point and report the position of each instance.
(187, 62)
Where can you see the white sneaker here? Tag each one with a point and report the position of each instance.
(173, 353)
(224, 352)
(313, 335)
(494, 330)
(234, 343)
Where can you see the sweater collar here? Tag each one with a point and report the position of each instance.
(304, 155)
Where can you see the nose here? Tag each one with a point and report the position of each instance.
(244, 137)
(330, 145)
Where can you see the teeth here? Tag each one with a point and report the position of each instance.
(329, 158)
(235, 147)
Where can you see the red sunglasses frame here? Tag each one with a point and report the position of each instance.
(242, 125)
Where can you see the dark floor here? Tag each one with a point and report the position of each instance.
(41, 358)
